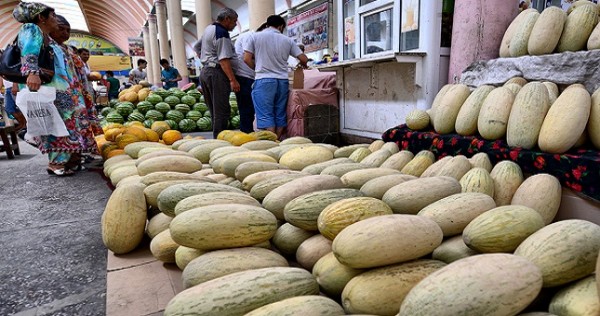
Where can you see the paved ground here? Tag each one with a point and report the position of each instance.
(53, 261)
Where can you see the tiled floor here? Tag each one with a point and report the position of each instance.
(138, 284)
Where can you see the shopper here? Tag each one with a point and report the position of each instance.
(245, 76)
(10, 93)
(217, 77)
(138, 74)
(84, 54)
(169, 75)
(267, 53)
(113, 85)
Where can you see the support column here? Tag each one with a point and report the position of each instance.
(477, 31)
(147, 55)
(163, 36)
(259, 11)
(153, 39)
(203, 16)
(176, 26)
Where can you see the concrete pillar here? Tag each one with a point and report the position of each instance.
(147, 55)
(163, 35)
(259, 11)
(203, 16)
(154, 51)
(178, 44)
(477, 31)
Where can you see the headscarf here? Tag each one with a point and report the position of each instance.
(25, 12)
(62, 21)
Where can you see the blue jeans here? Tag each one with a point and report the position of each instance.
(9, 102)
(270, 102)
(245, 105)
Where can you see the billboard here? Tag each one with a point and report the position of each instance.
(310, 28)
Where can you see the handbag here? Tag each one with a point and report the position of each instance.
(10, 63)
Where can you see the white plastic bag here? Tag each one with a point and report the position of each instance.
(42, 116)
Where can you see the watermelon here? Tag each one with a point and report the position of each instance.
(172, 100)
(148, 123)
(200, 107)
(154, 115)
(235, 122)
(124, 109)
(162, 107)
(179, 94)
(204, 124)
(187, 125)
(175, 115)
(195, 93)
(162, 93)
(136, 116)
(115, 117)
(154, 99)
(201, 98)
(173, 90)
(103, 123)
(188, 99)
(112, 103)
(172, 124)
(189, 87)
(207, 114)
(106, 110)
(193, 115)
(144, 107)
(183, 108)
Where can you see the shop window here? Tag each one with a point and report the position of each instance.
(377, 32)
(349, 29)
(363, 2)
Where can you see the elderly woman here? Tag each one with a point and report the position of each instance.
(39, 21)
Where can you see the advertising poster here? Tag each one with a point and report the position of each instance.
(96, 45)
(410, 15)
(136, 46)
(349, 32)
(310, 28)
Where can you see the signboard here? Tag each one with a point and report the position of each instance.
(104, 63)
(136, 46)
(96, 45)
(310, 28)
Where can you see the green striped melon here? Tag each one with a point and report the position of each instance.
(300, 305)
(341, 214)
(162, 107)
(168, 198)
(187, 125)
(137, 117)
(114, 117)
(183, 108)
(214, 198)
(193, 115)
(332, 275)
(175, 115)
(154, 115)
(288, 238)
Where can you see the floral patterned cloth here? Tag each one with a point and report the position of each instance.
(577, 169)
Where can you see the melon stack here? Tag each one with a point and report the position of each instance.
(377, 230)
(531, 115)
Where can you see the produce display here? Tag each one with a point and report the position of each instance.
(261, 227)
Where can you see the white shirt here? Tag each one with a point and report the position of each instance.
(271, 50)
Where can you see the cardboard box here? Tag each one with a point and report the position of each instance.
(298, 80)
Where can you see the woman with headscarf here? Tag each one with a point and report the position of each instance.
(39, 20)
(85, 118)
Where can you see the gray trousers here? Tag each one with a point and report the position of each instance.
(216, 90)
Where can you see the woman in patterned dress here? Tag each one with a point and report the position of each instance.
(39, 21)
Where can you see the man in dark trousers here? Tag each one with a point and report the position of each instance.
(217, 77)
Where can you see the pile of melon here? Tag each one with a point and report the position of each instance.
(553, 30)
(302, 228)
(531, 115)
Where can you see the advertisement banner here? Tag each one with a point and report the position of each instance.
(114, 63)
(310, 28)
(136, 46)
(96, 45)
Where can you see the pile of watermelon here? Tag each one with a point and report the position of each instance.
(183, 110)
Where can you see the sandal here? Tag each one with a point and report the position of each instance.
(78, 168)
(60, 172)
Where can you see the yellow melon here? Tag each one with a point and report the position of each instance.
(126, 139)
(110, 126)
(224, 133)
(111, 134)
(137, 132)
(160, 127)
(136, 88)
(106, 148)
(115, 152)
(171, 136)
(131, 96)
(143, 94)
(241, 138)
(151, 135)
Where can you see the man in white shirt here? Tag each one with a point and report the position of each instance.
(267, 53)
(138, 74)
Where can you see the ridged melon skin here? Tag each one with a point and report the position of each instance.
(546, 31)
(357, 178)
(411, 196)
(398, 160)
(578, 27)
(333, 276)
(318, 167)
(520, 38)
(158, 223)
(223, 226)
(507, 177)
(377, 187)
(359, 154)
(527, 115)
(276, 200)
(163, 247)
(580, 298)
(563, 260)
(346, 151)
(542, 192)
(300, 305)
(169, 163)
(436, 102)
(381, 290)
(455, 212)
(494, 114)
(169, 197)
(417, 119)
(510, 31)
(341, 169)
(303, 156)
(202, 152)
(445, 114)
(477, 180)
(288, 238)
(260, 190)
(341, 214)
(489, 284)
(161, 176)
(385, 240)
(214, 198)
(184, 255)
(566, 120)
(455, 168)
(419, 163)
(253, 179)
(215, 264)
(303, 211)
(466, 121)
(378, 157)
(124, 219)
(311, 250)
(241, 292)
(452, 249)
(502, 229)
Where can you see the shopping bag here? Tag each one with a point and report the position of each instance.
(42, 116)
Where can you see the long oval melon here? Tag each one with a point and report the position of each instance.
(436, 101)
(593, 126)
(435, 168)
(152, 191)
(218, 263)
(520, 38)
(510, 31)
(380, 291)
(507, 177)
(580, 298)
(542, 192)
(377, 158)
(161, 176)
(527, 115)
(229, 163)
(346, 151)
(300, 305)
(202, 151)
(276, 200)
(169, 163)
(333, 276)
(157, 224)
(447, 111)
(452, 249)
(546, 31)
(159, 153)
(134, 148)
(185, 255)
(411, 196)
(311, 250)
(255, 178)
(223, 151)
(169, 197)
(247, 168)
(288, 238)
(490, 284)
(377, 187)
(398, 160)
(239, 293)
(481, 160)
(477, 180)
(260, 190)
(124, 219)
(578, 28)
(223, 226)
(303, 156)
(357, 178)
(466, 120)
(318, 167)
(163, 247)
(260, 144)
(341, 214)
(419, 163)
(565, 251)
(385, 240)
(341, 169)
(494, 114)
(455, 168)
(213, 198)
(121, 173)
